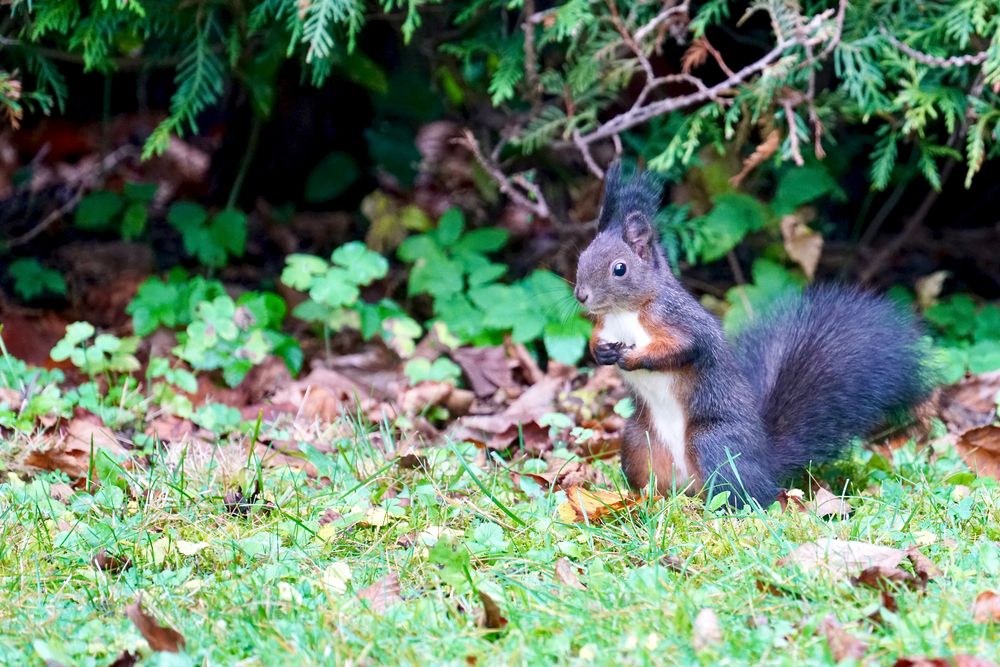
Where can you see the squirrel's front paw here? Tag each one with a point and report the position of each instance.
(609, 354)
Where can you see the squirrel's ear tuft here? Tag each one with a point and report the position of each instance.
(628, 190)
(639, 234)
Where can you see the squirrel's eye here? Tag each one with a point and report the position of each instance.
(619, 269)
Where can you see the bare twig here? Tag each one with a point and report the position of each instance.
(626, 36)
(588, 158)
(531, 57)
(508, 185)
(679, 11)
(936, 61)
(793, 131)
(87, 182)
(718, 58)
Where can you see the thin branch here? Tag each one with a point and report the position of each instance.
(522, 197)
(638, 115)
(626, 36)
(660, 19)
(531, 57)
(936, 61)
(717, 57)
(86, 182)
(793, 131)
(588, 158)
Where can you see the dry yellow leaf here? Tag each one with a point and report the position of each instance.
(593, 505)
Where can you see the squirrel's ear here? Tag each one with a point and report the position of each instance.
(639, 235)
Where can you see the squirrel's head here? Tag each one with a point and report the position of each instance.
(624, 266)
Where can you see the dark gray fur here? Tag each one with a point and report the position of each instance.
(812, 372)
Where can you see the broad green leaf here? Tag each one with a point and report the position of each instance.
(801, 185)
(134, 221)
(331, 177)
(489, 239)
(185, 215)
(334, 288)
(32, 279)
(733, 216)
(363, 264)
(98, 210)
(229, 230)
(140, 193)
(300, 270)
(450, 227)
(567, 341)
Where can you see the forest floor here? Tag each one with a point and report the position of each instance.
(443, 557)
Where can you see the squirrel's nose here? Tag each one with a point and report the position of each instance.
(581, 294)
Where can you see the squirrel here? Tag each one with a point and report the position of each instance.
(805, 377)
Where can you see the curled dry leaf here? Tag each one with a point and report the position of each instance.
(803, 245)
(72, 452)
(159, 637)
(566, 573)
(706, 630)
(823, 504)
(760, 154)
(962, 660)
(490, 616)
(843, 645)
(583, 505)
(125, 659)
(980, 449)
(383, 594)
(987, 608)
(110, 563)
(928, 288)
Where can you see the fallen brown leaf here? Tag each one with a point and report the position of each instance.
(987, 608)
(490, 616)
(72, 452)
(566, 573)
(583, 505)
(486, 369)
(969, 403)
(499, 431)
(106, 562)
(824, 503)
(980, 449)
(383, 594)
(954, 661)
(236, 503)
(881, 577)
(841, 557)
(425, 395)
(803, 245)
(159, 637)
(125, 659)
(843, 645)
(923, 566)
(706, 630)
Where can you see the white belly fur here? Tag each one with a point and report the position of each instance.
(657, 390)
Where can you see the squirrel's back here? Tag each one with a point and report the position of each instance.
(829, 365)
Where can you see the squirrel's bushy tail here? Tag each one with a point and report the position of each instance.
(828, 365)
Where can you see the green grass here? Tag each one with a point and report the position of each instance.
(270, 588)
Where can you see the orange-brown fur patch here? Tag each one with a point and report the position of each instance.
(641, 449)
